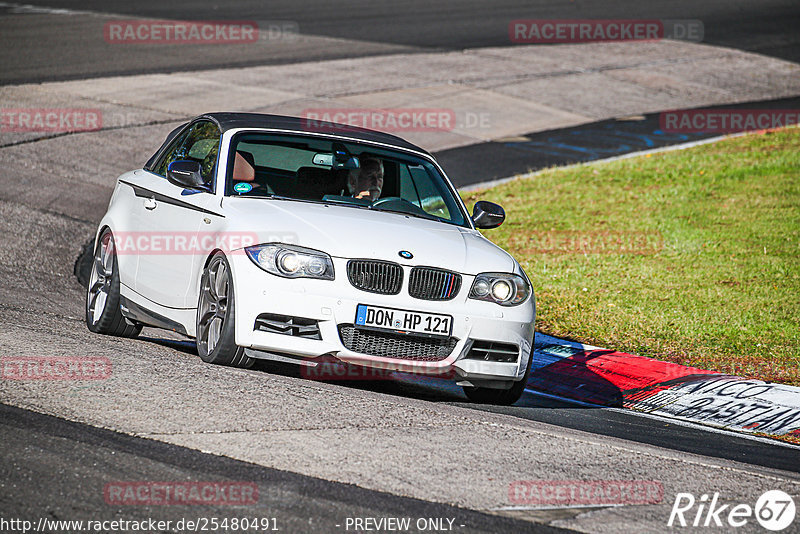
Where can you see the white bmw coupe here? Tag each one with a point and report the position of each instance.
(264, 236)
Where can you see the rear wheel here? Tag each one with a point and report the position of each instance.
(216, 317)
(103, 315)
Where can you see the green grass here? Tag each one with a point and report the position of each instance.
(707, 268)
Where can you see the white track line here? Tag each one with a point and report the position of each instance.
(567, 507)
(676, 421)
(44, 10)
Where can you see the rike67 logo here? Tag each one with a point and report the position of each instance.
(774, 510)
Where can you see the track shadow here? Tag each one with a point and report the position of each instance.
(569, 378)
(186, 346)
(391, 383)
(82, 267)
(572, 378)
(356, 377)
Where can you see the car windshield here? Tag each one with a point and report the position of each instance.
(326, 170)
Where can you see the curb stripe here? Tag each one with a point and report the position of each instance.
(609, 378)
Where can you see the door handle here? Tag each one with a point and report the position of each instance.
(150, 203)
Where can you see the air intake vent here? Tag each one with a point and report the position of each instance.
(382, 277)
(287, 325)
(427, 283)
(400, 346)
(491, 351)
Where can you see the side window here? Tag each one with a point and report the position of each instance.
(426, 192)
(408, 190)
(200, 143)
(171, 154)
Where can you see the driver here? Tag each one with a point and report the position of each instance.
(367, 181)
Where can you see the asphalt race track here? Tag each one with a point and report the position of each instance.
(495, 160)
(320, 453)
(301, 503)
(60, 48)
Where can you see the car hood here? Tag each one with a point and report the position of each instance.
(351, 232)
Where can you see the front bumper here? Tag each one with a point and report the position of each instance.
(333, 303)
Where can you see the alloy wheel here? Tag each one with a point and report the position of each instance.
(213, 304)
(100, 278)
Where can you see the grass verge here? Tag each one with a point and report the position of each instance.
(690, 256)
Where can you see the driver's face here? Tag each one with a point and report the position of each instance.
(369, 184)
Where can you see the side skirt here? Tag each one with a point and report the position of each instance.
(147, 315)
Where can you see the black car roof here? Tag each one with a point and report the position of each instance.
(229, 121)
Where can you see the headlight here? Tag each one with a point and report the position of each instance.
(505, 289)
(291, 261)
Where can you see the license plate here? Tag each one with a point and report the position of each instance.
(403, 321)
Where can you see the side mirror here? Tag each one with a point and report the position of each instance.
(487, 215)
(186, 174)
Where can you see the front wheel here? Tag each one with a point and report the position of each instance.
(216, 317)
(103, 315)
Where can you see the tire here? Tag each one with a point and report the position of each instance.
(216, 314)
(502, 397)
(103, 315)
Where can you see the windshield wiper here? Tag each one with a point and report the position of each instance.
(423, 215)
(409, 213)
